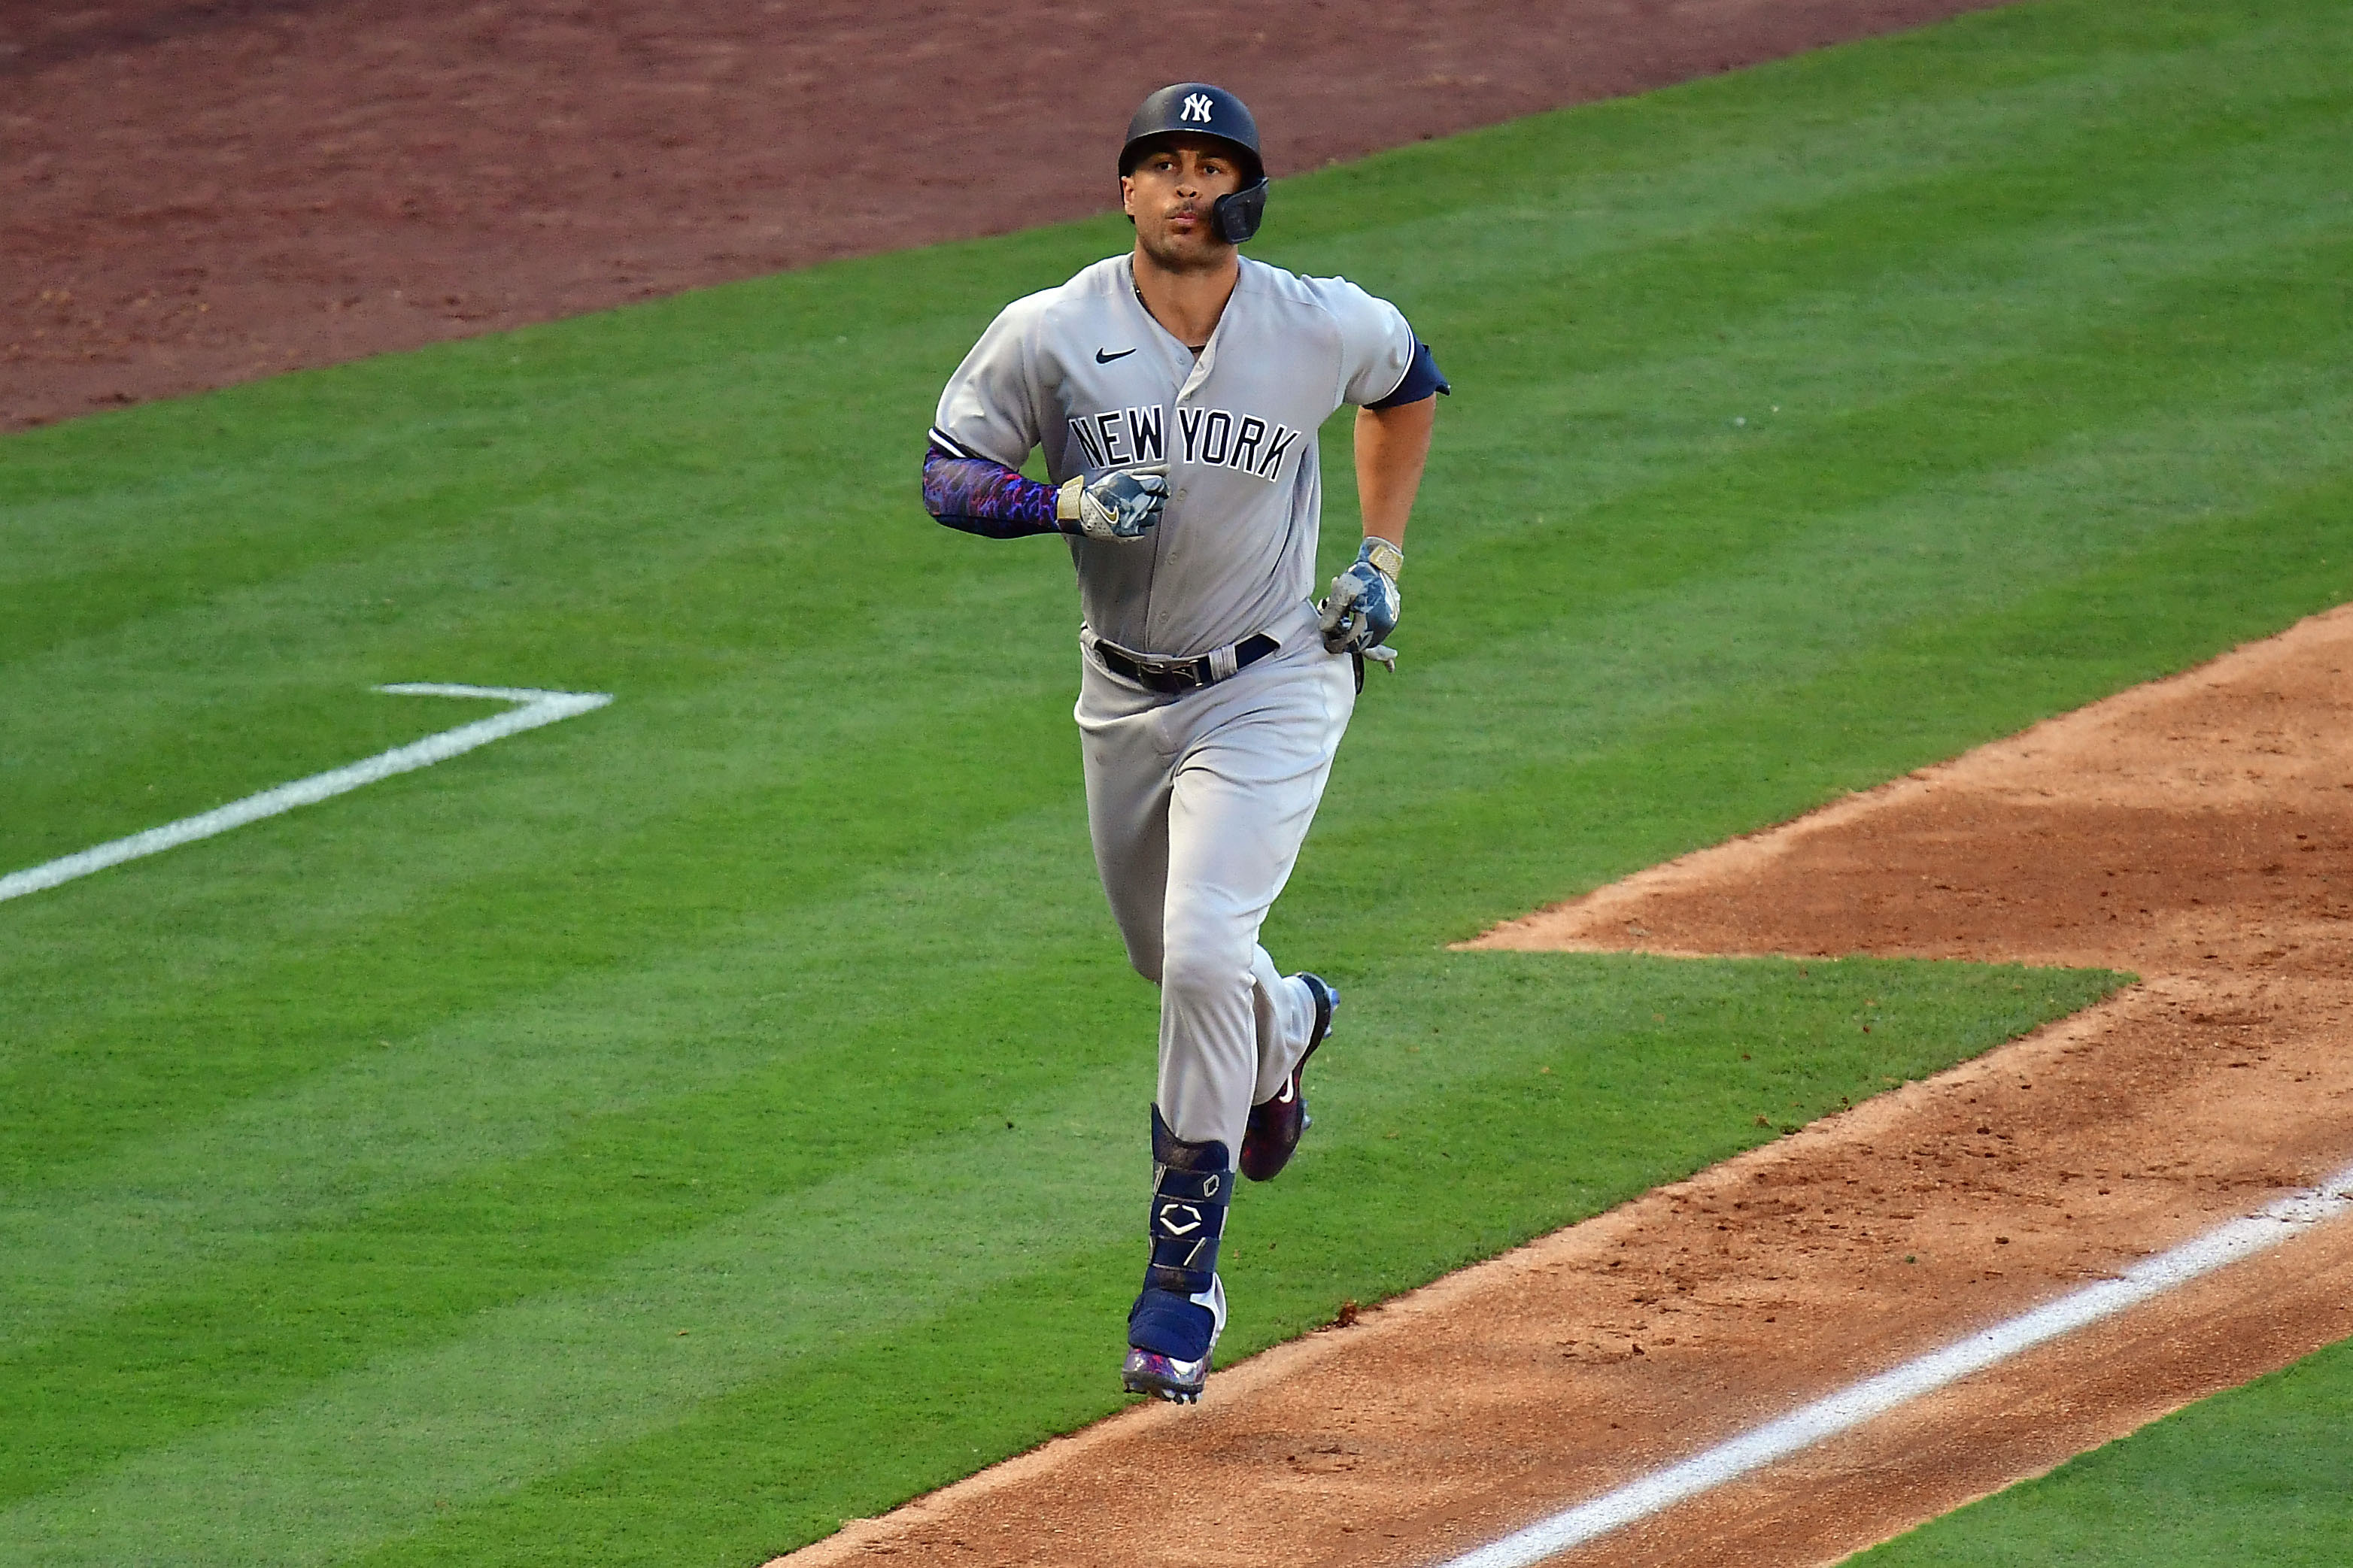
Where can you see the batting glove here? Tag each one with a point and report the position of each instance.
(1122, 504)
(1362, 609)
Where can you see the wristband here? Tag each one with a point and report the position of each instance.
(1386, 558)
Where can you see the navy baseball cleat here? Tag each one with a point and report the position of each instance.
(1275, 1124)
(1181, 1323)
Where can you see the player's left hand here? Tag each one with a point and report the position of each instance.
(1362, 609)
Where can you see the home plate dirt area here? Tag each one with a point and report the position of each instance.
(2194, 831)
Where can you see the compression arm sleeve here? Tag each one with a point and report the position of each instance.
(986, 498)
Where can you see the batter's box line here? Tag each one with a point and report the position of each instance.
(533, 709)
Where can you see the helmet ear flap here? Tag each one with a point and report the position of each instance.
(1239, 213)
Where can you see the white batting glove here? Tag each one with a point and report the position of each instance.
(1124, 503)
(1362, 609)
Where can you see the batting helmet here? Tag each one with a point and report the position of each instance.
(1197, 109)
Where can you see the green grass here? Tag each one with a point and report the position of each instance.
(360, 1169)
(2260, 1474)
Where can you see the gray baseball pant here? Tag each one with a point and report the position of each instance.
(1197, 804)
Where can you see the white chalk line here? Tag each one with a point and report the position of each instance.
(1875, 1397)
(534, 709)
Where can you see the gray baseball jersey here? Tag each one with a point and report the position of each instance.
(1084, 372)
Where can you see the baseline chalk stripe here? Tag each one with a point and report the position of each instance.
(1875, 1396)
(534, 709)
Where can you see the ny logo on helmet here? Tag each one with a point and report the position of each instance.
(1196, 107)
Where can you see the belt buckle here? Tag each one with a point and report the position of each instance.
(1170, 674)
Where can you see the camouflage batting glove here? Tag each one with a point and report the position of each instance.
(1124, 503)
(1362, 609)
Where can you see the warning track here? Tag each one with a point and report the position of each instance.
(2199, 831)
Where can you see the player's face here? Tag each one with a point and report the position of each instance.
(1170, 194)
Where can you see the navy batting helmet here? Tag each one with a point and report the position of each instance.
(1197, 109)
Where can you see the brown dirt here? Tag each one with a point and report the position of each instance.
(195, 193)
(2198, 830)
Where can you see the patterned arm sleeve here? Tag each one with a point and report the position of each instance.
(982, 496)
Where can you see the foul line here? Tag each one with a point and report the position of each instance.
(1861, 1402)
(536, 708)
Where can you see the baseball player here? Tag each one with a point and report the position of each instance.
(1177, 392)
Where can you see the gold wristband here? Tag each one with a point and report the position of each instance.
(1386, 558)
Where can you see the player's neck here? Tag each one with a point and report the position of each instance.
(1188, 303)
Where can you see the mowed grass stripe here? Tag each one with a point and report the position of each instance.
(331, 1157)
(1610, 1045)
(2257, 334)
(825, 1007)
(1966, 422)
(314, 1321)
(1920, 276)
(650, 949)
(1631, 173)
(1722, 248)
(1866, 563)
(307, 721)
(444, 898)
(560, 1373)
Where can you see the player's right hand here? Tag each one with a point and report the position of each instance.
(1122, 503)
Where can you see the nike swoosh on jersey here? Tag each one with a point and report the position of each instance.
(1105, 357)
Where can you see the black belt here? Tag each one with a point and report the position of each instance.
(1174, 675)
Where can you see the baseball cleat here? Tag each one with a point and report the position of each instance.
(1178, 1382)
(1275, 1124)
(1179, 1335)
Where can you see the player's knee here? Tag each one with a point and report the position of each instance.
(1204, 962)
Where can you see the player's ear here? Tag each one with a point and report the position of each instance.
(1127, 196)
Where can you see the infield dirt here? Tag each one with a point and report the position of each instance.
(2199, 831)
